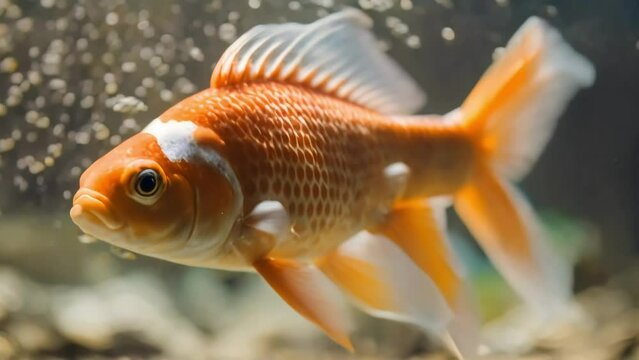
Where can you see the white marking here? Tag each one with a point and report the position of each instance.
(395, 170)
(270, 217)
(176, 140)
(396, 175)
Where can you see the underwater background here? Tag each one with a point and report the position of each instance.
(78, 77)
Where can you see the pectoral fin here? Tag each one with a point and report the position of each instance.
(264, 227)
(270, 217)
(311, 294)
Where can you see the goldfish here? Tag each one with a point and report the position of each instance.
(302, 162)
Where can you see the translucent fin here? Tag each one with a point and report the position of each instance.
(311, 294)
(412, 225)
(336, 55)
(419, 230)
(384, 282)
(512, 113)
(515, 105)
(504, 224)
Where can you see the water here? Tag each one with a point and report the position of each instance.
(79, 77)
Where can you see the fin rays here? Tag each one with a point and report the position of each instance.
(336, 55)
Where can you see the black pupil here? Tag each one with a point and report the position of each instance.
(147, 182)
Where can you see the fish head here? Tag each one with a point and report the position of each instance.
(135, 198)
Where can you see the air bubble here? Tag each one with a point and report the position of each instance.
(84, 238)
(255, 4)
(448, 34)
(43, 122)
(8, 64)
(129, 67)
(112, 19)
(87, 102)
(413, 42)
(406, 4)
(82, 138)
(126, 104)
(31, 137)
(196, 54)
(101, 132)
(47, 3)
(75, 171)
(227, 32)
(7, 144)
(57, 84)
(36, 167)
(294, 5)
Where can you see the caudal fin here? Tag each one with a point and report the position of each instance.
(512, 113)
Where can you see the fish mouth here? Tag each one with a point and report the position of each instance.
(92, 211)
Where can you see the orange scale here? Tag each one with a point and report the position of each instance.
(268, 170)
(309, 173)
(277, 186)
(322, 223)
(299, 173)
(306, 190)
(264, 185)
(292, 208)
(288, 171)
(310, 211)
(308, 156)
(324, 191)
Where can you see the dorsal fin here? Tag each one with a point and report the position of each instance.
(336, 55)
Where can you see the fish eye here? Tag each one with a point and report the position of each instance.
(147, 182)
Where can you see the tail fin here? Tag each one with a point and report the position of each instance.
(512, 113)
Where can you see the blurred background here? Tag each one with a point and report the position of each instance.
(77, 77)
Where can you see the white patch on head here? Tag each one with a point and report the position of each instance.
(175, 138)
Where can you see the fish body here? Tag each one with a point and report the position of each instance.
(302, 163)
(322, 158)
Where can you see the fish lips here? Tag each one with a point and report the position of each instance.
(92, 212)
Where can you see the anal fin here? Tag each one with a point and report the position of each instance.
(413, 226)
(383, 281)
(418, 227)
(311, 294)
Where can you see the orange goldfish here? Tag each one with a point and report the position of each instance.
(301, 162)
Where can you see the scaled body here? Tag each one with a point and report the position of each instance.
(323, 158)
